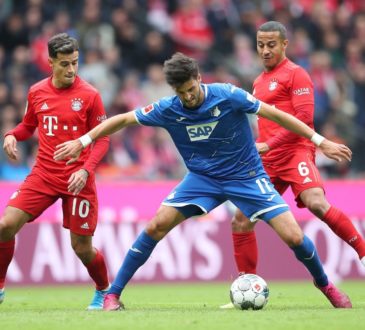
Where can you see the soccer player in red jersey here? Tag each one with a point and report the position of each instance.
(289, 159)
(62, 107)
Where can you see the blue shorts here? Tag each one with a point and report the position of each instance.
(256, 197)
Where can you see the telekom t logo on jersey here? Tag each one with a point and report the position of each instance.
(51, 125)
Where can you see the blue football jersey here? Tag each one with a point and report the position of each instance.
(214, 139)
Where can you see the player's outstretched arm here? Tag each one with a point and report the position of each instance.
(72, 149)
(331, 149)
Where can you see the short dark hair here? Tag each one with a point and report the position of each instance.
(179, 69)
(274, 26)
(62, 43)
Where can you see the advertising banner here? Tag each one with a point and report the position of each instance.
(199, 249)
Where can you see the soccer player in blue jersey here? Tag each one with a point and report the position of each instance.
(209, 127)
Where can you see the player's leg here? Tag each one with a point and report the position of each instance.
(187, 199)
(243, 235)
(95, 265)
(245, 249)
(252, 197)
(289, 231)
(314, 199)
(80, 216)
(11, 222)
(257, 198)
(30, 200)
(167, 218)
(307, 186)
(244, 243)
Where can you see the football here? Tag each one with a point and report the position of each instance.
(249, 291)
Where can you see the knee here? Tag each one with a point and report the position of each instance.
(295, 239)
(315, 201)
(11, 222)
(159, 226)
(166, 219)
(156, 229)
(318, 207)
(241, 223)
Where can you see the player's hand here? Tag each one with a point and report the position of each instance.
(335, 151)
(77, 181)
(262, 147)
(68, 150)
(10, 147)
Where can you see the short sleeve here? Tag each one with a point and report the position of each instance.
(151, 115)
(242, 100)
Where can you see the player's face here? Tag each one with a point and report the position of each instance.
(190, 93)
(64, 69)
(271, 48)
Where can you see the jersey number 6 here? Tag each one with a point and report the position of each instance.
(303, 169)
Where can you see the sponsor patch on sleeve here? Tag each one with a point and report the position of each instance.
(148, 109)
(101, 118)
(302, 91)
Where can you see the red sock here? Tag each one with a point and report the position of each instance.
(343, 227)
(6, 255)
(98, 272)
(245, 251)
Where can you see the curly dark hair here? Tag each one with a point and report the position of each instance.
(179, 69)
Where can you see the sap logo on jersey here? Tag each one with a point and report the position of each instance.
(201, 132)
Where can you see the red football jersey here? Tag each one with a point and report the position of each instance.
(289, 88)
(61, 115)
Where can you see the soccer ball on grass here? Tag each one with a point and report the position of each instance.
(249, 291)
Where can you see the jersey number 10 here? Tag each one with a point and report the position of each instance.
(83, 209)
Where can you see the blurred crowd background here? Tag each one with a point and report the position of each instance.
(124, 43)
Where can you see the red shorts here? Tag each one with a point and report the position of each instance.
(299, 172)
(80, 212)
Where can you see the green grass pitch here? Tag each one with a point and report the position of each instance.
(292, 305)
